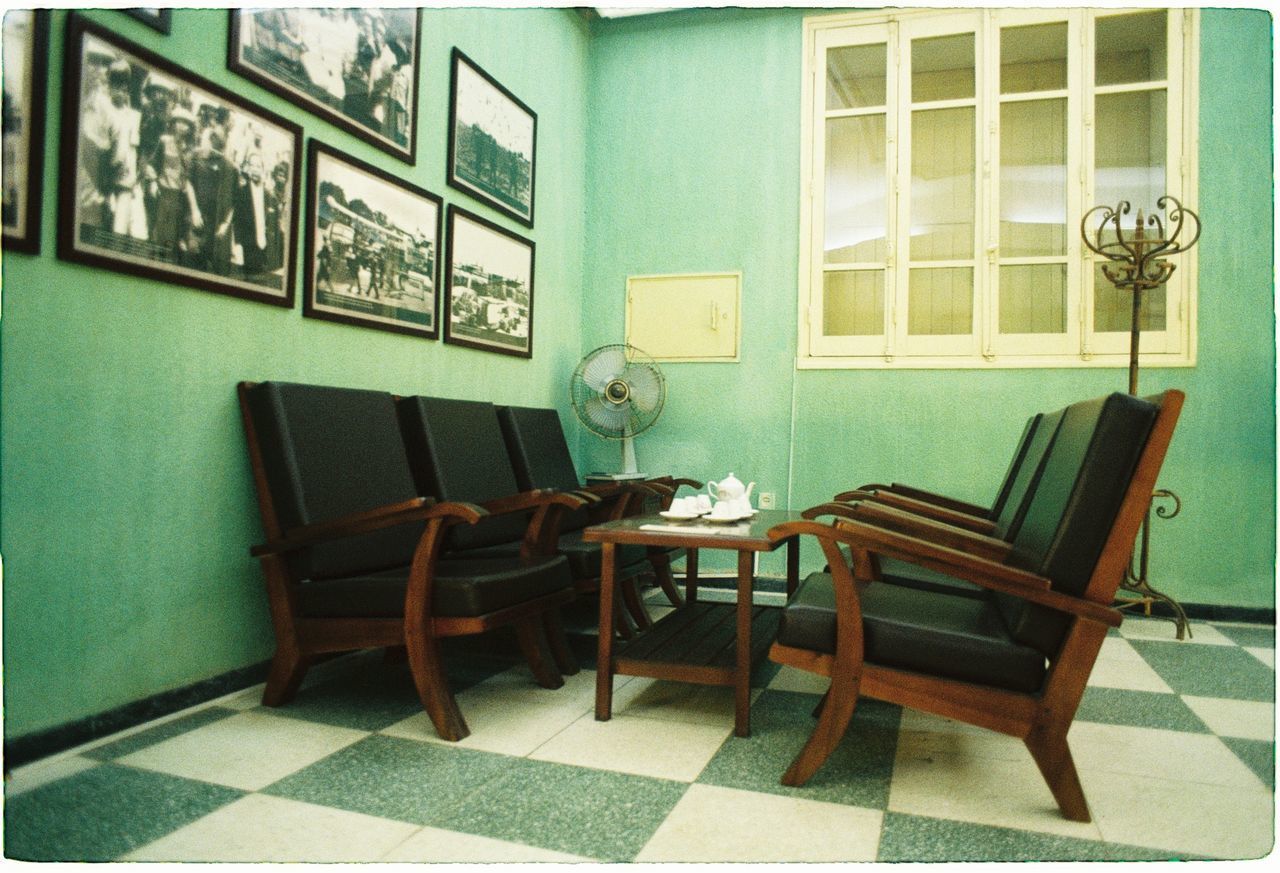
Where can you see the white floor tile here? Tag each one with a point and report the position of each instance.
(791, 679)
(1266, 656)
(248, 698)
(982, 790)
(39, 773)
(263, 828)
(1217, 821)
(922, 735)
(641, 746)
(1247, 719)
(1140, 628)
(439, 846)
(1137, 751)
(249, 750)
(1129, 675)
(711, 824)
(675, 701)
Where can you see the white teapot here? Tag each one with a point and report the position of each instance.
(731, 488)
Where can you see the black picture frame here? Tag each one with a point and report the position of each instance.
(308, 56)
(153, 17)
(138, 215)
(26, 49)
(480, 256)
(481, 110)
(370, 248)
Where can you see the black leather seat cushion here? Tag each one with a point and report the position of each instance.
(461, 588)
(584, 557)
(958, 637)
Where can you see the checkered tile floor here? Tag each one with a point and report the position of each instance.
(1174, 744)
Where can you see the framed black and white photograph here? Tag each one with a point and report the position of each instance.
(155, 18)
(492, 141)
(357, 68)
(489, 286)
(373, 246)
(169, 176)
(26, 67)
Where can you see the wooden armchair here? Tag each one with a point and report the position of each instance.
(352, 553)
(1015, 659)
(540, 455)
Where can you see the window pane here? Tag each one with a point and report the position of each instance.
(1131, 48)
(853, 303)
(1033, 298)
(942, 184)
(856, 76)
(1033, 58)
(1033, 178)
(940, 302)
(1113, 308)
(1129, 145)
(942, 68)
(856, 204)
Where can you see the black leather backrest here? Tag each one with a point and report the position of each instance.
(1015, 465)
(456, 452)
(1025, 478)
(540, 455)
(1085, 477)
(329, 452)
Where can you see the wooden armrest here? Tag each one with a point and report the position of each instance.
(936, 499)
(417, 509)
(842, 510)
(980, 571)
(934, 511)
(535, 499)
(959, 538)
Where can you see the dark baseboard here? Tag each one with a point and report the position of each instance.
(24, 749)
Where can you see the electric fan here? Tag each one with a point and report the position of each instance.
(617, 391)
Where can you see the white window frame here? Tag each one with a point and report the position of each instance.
(1080, 346)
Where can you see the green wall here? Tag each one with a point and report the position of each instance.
(128, 509)
(127, 505)
(694, 166)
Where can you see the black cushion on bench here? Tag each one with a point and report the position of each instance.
(461, 589)
(961, 637)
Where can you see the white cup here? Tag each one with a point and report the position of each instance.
(680, 506)
(702, 502)
(725, 509)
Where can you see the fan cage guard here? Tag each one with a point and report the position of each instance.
(617, 391)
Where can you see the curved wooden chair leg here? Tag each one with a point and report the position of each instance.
(837, 711)
(622, 621)
(661, 563)
(433, 689)
(1053, 756)
(635, 606)
(559, 643)
(533, 645)
(287, 669)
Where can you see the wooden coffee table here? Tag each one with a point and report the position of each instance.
(703, 643)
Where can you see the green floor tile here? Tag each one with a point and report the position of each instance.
(857, 773)
(1258, 755)
(159, 733)
(916, 838)
(1209, 671)
(1139, 709)
(99, 814)
(395, 778)
(581, 811)
(1254, 636)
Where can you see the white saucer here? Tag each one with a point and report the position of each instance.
(678, 516)
(724, 519)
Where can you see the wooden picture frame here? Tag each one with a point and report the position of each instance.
(488, 286)
(372, 246)
(153, 17)
(356, 68)
(493, 139)
(208, 196)
(26, 79)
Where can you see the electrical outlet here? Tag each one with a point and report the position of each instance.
(768, 499)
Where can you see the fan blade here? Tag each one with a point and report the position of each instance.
(603, 366)
(647, 389)
(609, 419)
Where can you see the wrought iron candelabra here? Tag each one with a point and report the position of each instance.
(1136, 262)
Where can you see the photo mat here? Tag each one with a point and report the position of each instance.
(26, 52)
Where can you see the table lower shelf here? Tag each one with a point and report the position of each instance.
(696, 643)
